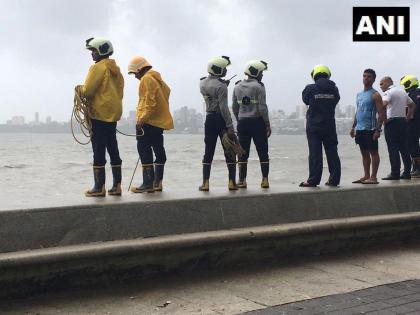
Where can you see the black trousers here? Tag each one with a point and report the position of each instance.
(328, 139)
(413, 135)
(104, 137)
(397, 142)
(253, 129)
(151, 142)
(214, 128)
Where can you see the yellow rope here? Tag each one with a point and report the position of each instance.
(81, 113)
(232, 146)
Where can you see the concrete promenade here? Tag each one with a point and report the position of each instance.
(269, 288)
(101, 241)
(388, 299)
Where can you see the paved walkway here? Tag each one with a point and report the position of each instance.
(250, 288)
(389, 299)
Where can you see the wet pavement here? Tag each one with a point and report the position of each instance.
(390, 299)
(247, 288)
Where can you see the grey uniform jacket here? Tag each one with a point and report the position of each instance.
(249, 100)
(215, 93)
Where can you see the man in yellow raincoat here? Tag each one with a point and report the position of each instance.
(153, 117)
(103, 88)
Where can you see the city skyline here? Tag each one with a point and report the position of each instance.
(187, 120)
(300, 111)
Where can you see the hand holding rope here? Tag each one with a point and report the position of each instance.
(82, 115)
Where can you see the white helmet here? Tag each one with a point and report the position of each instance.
(102, 45)
(217, 65)
(255, 67)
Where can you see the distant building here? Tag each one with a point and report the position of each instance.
(132, 115)
(301, 111)
(36, 121)
(187, 120)
(339, 112)
(16, 121)
(48, 120)
(278, 114)
(350, 111)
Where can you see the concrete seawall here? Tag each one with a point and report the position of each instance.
(71, 246)
(50, 227)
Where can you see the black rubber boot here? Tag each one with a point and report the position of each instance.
(413, 166)
(232, 176)
(206, 177)
(416, 168)
(243, 168)
(157, 183)
(148, 178)
(265, 168)
(116, 185)
(98, 189)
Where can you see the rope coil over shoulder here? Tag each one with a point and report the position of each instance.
(82, 115)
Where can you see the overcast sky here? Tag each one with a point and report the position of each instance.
(43, 56)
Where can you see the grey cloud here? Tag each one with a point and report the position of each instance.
(43, 46)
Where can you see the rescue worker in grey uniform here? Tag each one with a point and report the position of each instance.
(251, 112)
(218, 120)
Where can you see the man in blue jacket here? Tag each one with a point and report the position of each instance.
(322, 98)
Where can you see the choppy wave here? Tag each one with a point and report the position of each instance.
(14, 166)
(70, 164)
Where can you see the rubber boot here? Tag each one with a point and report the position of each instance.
(232, 176)
(413, 165)
(98, 189)
(243, 167)
(206, 176)
(116, 185)
(157, 183)
(148, 178)
(416, 168)
(265, 167)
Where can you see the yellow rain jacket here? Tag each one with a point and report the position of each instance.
(104, 86)
(153, 106)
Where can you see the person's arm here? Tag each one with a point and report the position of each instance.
(93, 80)
(306, 94)
(263, 109)
(148, 90)
(411, 108)
(222, 98)
(377, 99)
(235, 106)
(337, 94)
(121, 84)
(386, 101)
(352, 130)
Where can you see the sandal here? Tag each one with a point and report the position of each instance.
(370, 181)
(359, 181)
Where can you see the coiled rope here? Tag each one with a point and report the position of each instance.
(82, 115)
(232, 146)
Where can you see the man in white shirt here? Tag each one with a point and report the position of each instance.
(396, 102)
